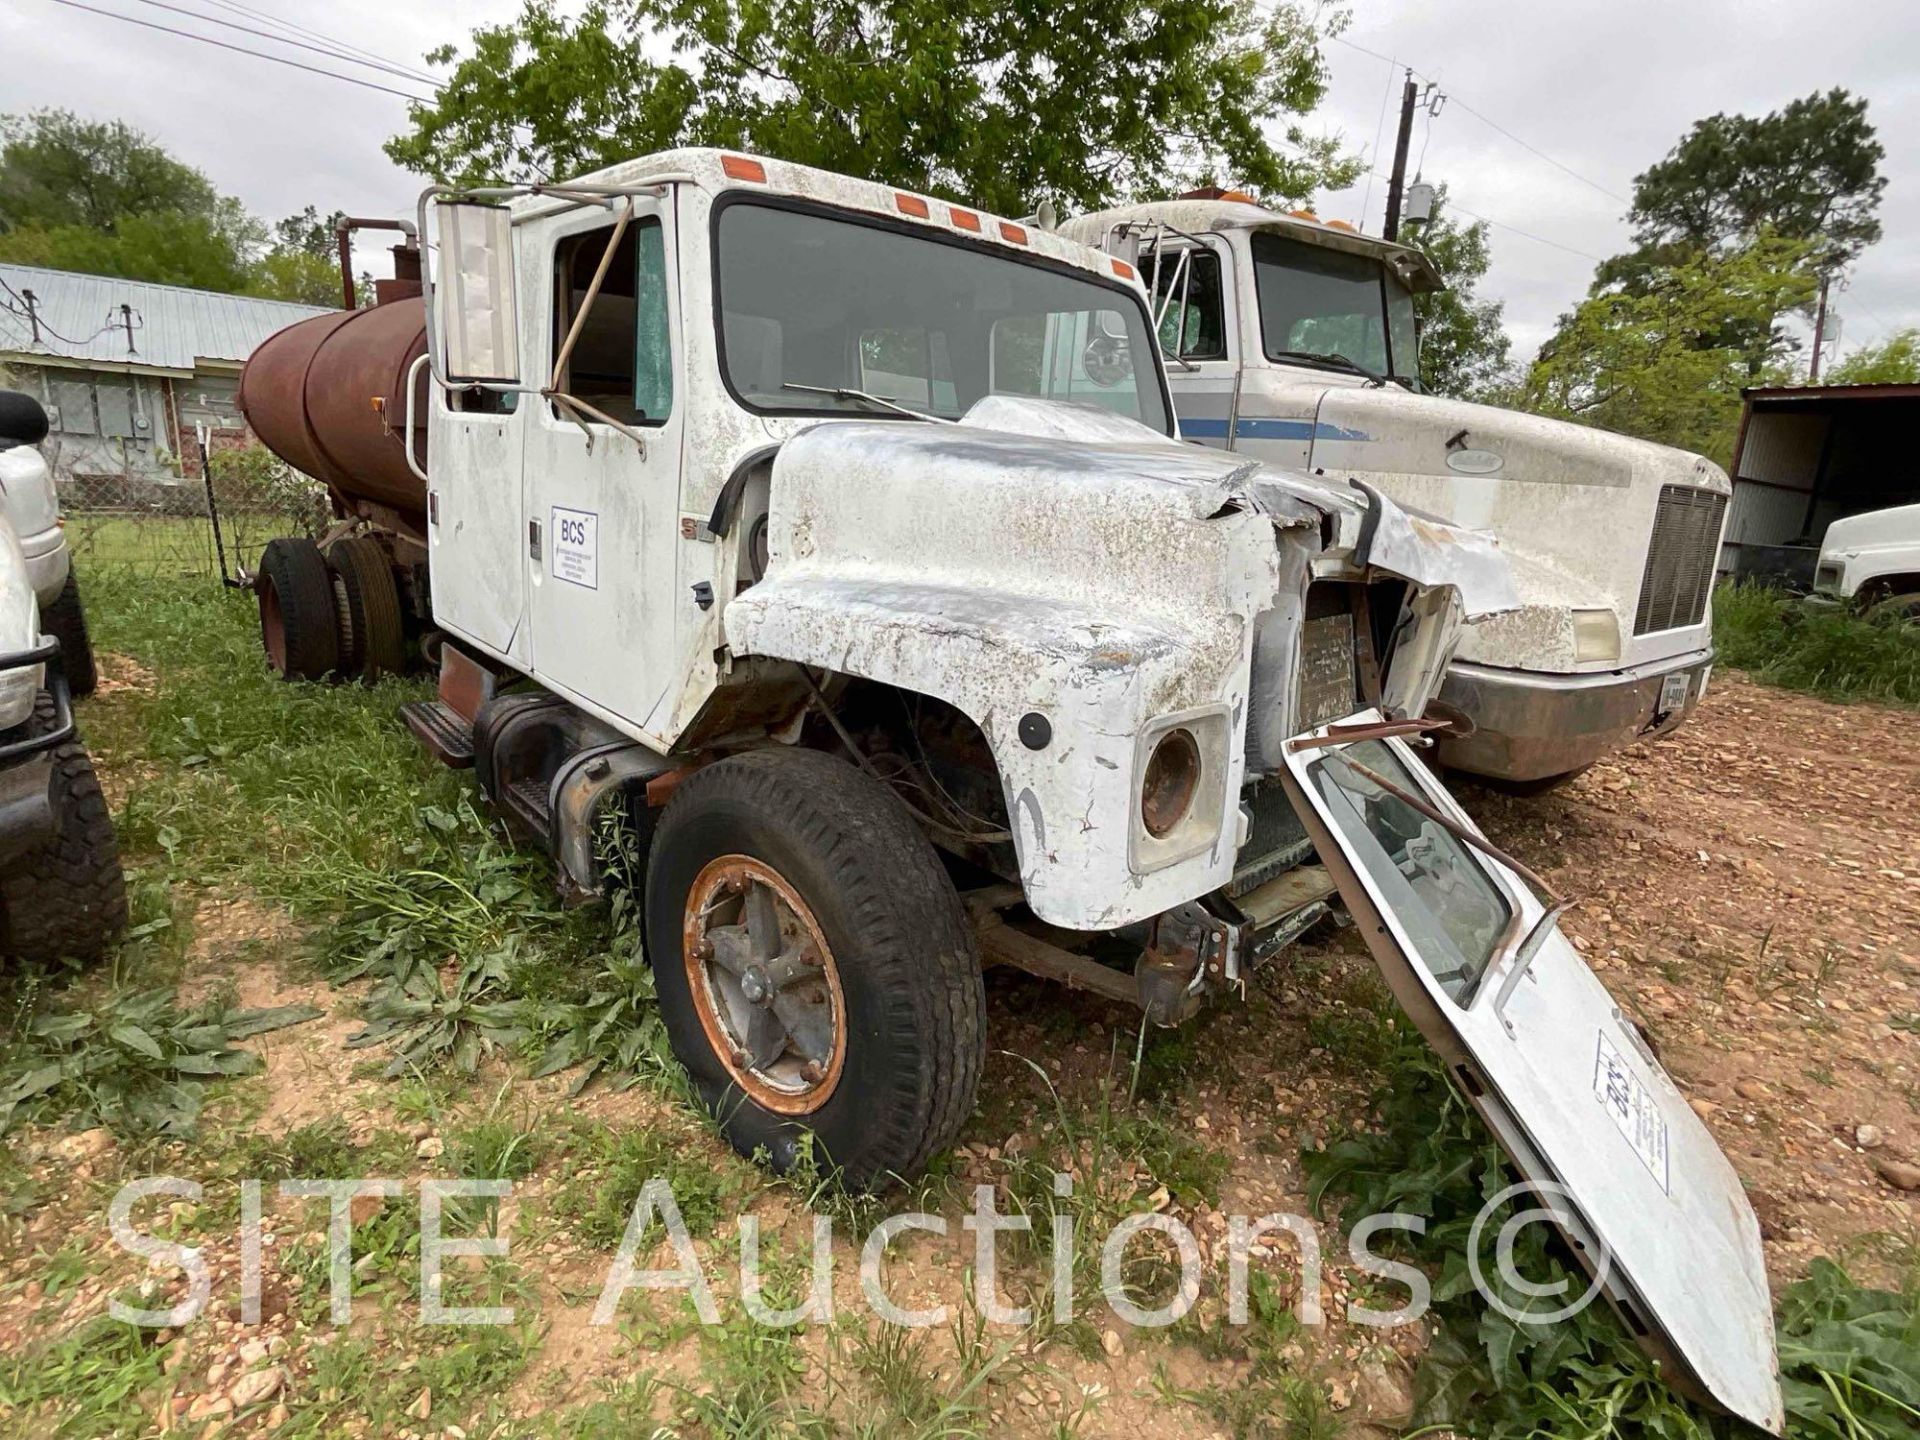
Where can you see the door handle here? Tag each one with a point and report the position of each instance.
(534, 552)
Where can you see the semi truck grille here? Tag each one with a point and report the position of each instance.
(1679, 574)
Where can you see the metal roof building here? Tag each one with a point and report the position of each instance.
(136, 377)
(78, 318)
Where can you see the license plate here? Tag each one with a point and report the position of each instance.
(1673, 692)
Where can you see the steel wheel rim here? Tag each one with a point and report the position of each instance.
(764, 984)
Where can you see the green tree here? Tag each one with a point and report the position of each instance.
(102, 198)
(1645, 362)
(1464, 349)
(1897, 362)
(1810, 171)
(1083, 101)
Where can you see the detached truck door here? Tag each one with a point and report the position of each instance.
(602, 506)
(1647, 1200)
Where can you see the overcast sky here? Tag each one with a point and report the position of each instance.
(1604, 87)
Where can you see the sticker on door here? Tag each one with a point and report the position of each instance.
(576, 547)
(1633, 1109)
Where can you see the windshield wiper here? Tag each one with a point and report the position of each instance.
(840, 392)
(1335, 359)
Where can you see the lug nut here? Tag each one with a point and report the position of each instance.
(813, 1072)
(703, 949)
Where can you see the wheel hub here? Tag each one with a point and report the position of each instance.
(764, 984)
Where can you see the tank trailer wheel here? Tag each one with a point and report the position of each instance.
(299, 621)
(67, 899)
(815, 970)
(67, 623)
(359, 566)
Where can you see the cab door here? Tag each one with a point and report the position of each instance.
(473, 517)
(602, 500)
(1195, 311)
(1565, 1082)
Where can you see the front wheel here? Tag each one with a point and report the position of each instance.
(814, 966)
(65, 899)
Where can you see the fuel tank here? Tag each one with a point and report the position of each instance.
(327, 395)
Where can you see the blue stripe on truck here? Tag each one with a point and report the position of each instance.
(1248, 428)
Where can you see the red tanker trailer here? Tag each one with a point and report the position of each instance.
(329, 396)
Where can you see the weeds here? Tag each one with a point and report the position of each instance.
(1829, 652)
(137, 1063)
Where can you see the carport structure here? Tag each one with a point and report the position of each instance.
(1807, 455)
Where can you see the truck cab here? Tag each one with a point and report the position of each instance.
(838, 543)
(1295, 341)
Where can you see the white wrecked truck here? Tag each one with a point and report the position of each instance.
(1293, 341)
(743, 493)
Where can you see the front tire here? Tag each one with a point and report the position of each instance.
(66, 899)
(815, 970)
(66, 621)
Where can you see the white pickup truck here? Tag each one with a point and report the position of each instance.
(62, 895)
(752, 497)
(1294, 341)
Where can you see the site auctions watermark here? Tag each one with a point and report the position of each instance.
(1517, 1208)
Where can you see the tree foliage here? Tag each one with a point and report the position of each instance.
(1653, 362)
(1810, 171)
(1080, 101)
(1464, 348)
(1897, 362)
(100, 197)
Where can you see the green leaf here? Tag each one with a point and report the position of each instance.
(134, 1038)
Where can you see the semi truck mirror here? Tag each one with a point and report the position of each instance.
(476, 310)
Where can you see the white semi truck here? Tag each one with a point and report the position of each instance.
(1294, 341)
(747, 495)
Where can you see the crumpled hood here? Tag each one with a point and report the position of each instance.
(1084, 445)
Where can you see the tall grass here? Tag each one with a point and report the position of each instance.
(1826, 651)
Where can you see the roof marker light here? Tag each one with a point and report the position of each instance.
(1012, 234)
(911, 205)
(739, 167)
(1123, 269)
(964, 219)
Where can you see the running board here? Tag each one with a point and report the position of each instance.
(439, 727)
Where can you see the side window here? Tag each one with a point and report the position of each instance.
(1082, 356)
(1193, 325)
(622, 362)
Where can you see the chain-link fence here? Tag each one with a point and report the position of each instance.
(166, 526)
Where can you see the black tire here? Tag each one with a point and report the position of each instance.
(373, 607)
(299, 621)
(907, 968)
(1896, 609)
(67, 899)
(67, 623)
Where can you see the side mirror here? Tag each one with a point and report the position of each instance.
(476, 309)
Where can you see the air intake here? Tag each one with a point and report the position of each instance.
(1679, 574)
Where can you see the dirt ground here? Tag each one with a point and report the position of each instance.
(1750, 890)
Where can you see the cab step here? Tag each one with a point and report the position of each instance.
(525, 800)
(442, 729)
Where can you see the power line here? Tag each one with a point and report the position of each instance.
(331, 53)
(248, 11)
(243, 50)
(1490, 123)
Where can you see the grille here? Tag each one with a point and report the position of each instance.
(1679, 574)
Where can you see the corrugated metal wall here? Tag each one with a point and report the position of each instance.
(1781, 449)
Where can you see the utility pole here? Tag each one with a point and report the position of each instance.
(1409, 98)
(1819, 328)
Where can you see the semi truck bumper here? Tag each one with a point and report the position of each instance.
(1530, 725)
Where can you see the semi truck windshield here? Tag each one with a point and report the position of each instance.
(821, 313)
(1315, 301)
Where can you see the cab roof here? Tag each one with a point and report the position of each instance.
(738, 170)
(1200, 217)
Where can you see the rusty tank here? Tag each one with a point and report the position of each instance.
(327, 395)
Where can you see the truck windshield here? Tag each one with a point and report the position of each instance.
(828, 313)
(1316, 302)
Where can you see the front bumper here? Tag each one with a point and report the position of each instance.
(26, 764)
(1530, 725)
